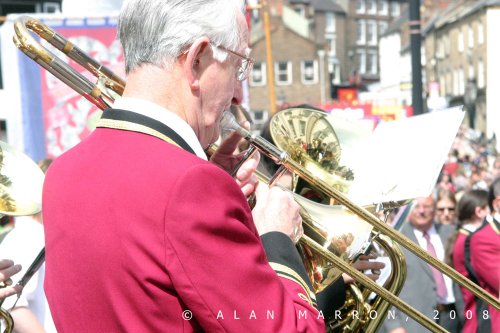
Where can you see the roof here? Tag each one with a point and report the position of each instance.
(463, 9)
(320, 5)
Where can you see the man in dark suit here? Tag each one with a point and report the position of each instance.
(143, 234)
(431, 293)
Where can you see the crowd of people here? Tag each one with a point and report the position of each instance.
(150, 234)
(463, 214)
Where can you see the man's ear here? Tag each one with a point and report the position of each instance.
(196, 61)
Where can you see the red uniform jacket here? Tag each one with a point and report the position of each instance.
(482, 255)
(143, 236)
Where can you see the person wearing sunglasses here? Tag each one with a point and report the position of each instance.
(445, 207)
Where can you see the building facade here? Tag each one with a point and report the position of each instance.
(461, 55)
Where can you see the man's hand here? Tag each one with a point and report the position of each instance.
(227, 157)
(364, 264)
(7, 269)
(276, 210)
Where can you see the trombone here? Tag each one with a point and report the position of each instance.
(109, 86)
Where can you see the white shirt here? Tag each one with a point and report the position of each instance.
(22, 245)
(159, 113)
(439, 248)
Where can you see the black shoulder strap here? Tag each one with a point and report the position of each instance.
(484, 325)
(135, 118)
(467, 259)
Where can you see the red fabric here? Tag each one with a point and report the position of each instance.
(138, 231)
(470, 325)
(485, 260)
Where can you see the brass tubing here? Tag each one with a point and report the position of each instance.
(283, 158)
(9, 322)
(394, 283)
(365, 281)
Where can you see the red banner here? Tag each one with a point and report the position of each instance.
(372, 112)
(68, 116)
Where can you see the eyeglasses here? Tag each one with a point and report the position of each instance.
(246, 62)
(442, 209)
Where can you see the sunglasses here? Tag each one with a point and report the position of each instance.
(442, 209)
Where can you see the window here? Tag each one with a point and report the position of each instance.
(371, 7)
(442, 85)
(51, 7)
(449, 83)
(470, 37)
(382, 27)
(258, 76)
(371, 32)
(371, 62)
(395, 8)
(360, 32)
(309, 70)
(480, 33)
(382, 7)
(361, 61)
(331, 42)
(460, 42)
(301, 11)
(470, 74)
(330, 23)
(461, 81)
(480, 74)
(440, 49)
(283, 72)
(360, 6)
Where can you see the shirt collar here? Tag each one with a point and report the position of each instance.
(159, 113)
(431, 231)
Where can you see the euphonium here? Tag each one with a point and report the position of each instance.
(99, 96)
(327, 140)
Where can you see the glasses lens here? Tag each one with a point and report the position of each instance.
(245, 68)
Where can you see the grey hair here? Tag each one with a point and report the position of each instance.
(158, 31)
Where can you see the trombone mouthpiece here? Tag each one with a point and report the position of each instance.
(228, 123)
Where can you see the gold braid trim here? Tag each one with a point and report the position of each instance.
(464, 231)
(288, 273)
(129, 126)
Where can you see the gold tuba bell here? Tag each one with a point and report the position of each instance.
(330, 185)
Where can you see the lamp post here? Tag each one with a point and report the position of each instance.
(416, 56)
(470, 97)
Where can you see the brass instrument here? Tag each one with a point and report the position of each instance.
(331, 143)
(21, 182)
(101, 98)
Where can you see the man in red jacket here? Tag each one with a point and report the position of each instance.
(482, 259)
(143, 234)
